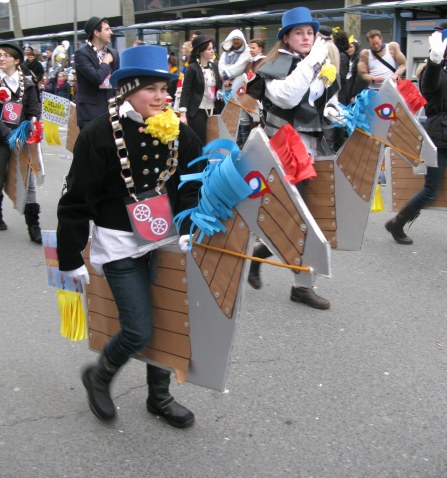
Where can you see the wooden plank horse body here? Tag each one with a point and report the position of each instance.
(405, 176)
(197, 295)
(25, 160)
(340, 196)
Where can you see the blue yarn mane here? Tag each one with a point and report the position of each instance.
(355, 113)
(19, 135)
(222, 188)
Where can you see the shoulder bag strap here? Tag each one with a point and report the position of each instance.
(383, 61)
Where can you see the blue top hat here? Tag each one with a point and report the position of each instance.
(297, 16)
(144, 60)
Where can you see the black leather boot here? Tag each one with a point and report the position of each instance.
(254, 277)
(32, 211)
(396, 225)
(161, 402)
(97, 379)
(308, 296)
(3, 225)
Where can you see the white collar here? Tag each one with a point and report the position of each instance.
(126, 110)
(14, 76)
(13, 81)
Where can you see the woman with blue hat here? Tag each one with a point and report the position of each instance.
(295, 83)
(123, 162)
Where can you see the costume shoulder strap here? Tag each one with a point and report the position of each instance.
(277, 69)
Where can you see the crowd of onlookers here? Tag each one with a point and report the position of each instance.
(50, 71)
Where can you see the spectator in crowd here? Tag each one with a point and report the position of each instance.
(433, 85)
(233, 62)
(97, 191)
(341, 41)
(381, 62)
(234, 58)
(200, 85)
(73, 84)
(195, 34)
(59, 86)
(173, 68)
(257, 47)
(33, 64)
(355, 82)
(94, 64)
(186, 52)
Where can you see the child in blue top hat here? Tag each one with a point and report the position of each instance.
(137, 150)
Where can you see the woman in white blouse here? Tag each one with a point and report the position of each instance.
(200, 85)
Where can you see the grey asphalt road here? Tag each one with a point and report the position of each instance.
(357, 391)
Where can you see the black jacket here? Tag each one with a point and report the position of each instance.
(434, 89)
(36, 70)
(96, 190)
(193, 88)
(63, 91)
(91, 100)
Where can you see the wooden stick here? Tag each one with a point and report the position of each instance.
(252, 258)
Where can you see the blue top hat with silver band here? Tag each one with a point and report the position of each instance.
(144, 60)
(297, 16)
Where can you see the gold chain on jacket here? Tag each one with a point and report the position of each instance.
(123, 154)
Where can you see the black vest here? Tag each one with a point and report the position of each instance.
(303, 117)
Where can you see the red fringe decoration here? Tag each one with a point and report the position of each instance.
(292, 152)
(415, 101)
(36, 135)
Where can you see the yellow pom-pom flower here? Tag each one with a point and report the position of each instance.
(165, 126)
(328, 74)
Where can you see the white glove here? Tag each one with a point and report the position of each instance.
(437, 47)
(318, 52)
(333, 114)
(81, 274)
(183, 242)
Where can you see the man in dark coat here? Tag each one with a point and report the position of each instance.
(94, 63)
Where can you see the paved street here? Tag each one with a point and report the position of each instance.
(357, 391)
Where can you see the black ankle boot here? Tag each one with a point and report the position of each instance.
(161, 402)
(396, 225)
(308, 296)
(32, 211)
(3, 225)
(254, 277)
(97, 380)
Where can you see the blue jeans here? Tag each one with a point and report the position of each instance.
(432, 185)
(129, 281)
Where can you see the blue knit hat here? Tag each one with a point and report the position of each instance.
(297, 16)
